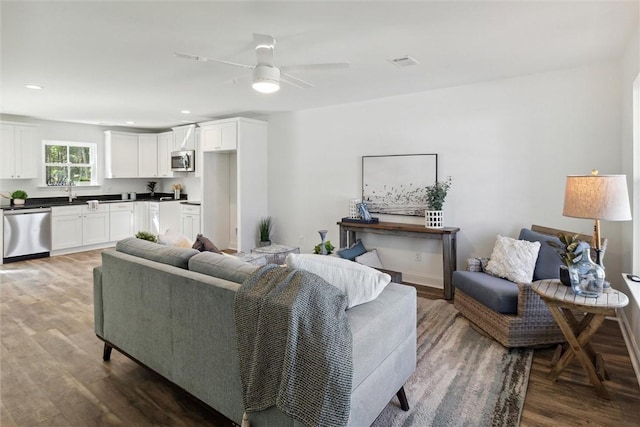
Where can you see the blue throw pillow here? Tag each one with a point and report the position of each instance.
(354, 251)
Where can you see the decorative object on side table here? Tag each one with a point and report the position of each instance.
(19, 197)
(435, 195)
(264, 230)
(151, 186)
(597, 197)
(569, 251)
(325, 247)
(363, 215)
(176, 191)
(354, 213)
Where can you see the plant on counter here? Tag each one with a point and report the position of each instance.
(145, 235)
(19, 194)
(151, 186)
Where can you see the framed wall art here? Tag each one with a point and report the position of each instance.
(396, 184)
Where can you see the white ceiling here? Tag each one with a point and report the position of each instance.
(106, 62)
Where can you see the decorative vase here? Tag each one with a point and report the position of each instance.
(176, 194)
(264, 243)
(353, 208)
(587, 277)
(323, 248)
(18, 202)
(564, 275)
(433, 219)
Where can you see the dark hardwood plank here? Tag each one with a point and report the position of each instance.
(52, 373)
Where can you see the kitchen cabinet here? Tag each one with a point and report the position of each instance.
(165, 146)
(184, 137)
(20, 151)
(95, 225)
(190, 221)
(121, 155)
(164, 216)
(121, 221)
(148, 155)
(234, 187)
(66, 227)
(141, 216)
(219, 135)
(76, 226)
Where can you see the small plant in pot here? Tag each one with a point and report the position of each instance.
(317, 249)
(434, 196)
(18, 197)
(264, 231)
(145, 235)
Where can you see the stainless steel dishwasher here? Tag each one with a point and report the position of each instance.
(27, 234)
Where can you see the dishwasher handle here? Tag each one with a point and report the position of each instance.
(25, 211)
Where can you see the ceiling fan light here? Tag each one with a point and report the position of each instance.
(266, 79)
(266, 86)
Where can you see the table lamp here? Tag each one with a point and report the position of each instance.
(597, 197)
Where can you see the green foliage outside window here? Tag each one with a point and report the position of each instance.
(64, 162)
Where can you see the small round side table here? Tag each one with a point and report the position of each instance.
(562, 302)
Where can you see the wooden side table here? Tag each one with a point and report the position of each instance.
(562, 302)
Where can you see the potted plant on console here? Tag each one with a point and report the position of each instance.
(264, 230)
(19, 197)
(435, 195)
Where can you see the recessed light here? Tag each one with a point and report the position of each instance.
(185, 111)
(130, 123)
(34, 87)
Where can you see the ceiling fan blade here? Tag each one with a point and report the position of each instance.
(264, 48)
(295, 81)
(324, 66)
(205, 59)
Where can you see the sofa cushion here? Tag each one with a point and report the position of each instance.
(498, 294)
(221, 266)
(360, 283)
(370, 259)
(513, 259)
(354, 251)
(171, 255)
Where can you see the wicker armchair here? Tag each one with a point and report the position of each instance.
(532, 325)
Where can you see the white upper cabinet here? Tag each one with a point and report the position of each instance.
(184, 137)
(165, 146)
(20, 151)
(219, 135)
(121, 155)
(148, 155)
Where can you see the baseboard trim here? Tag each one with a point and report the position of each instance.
(632, 345)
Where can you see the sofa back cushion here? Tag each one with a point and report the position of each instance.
(171, 255)
(221, 266)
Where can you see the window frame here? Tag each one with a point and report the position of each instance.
(93, 153)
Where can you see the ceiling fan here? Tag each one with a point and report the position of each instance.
(266, 76)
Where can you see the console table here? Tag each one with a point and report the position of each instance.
(348, 232)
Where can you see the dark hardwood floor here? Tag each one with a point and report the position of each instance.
(52, 373)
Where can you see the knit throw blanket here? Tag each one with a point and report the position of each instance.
(294, 344)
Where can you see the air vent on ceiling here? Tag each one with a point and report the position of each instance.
(404, 61)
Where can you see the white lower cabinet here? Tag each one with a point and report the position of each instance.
(190, 221)
(141, 216)
(121, 221)
(76, 226)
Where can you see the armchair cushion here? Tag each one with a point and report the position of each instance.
(548, 263)
(498, 294)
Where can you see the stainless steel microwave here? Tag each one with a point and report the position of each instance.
(183, 161)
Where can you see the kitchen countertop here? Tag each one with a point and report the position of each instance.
(47, 202)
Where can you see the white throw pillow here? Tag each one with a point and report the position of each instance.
(513, 259)
(370, 259)
(174, 238)
(360, 283)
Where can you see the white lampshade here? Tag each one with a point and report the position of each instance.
(599, 197)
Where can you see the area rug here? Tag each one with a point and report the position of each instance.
(462, 378)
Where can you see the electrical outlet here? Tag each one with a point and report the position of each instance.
(418, 257)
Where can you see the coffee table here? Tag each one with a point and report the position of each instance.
(276, 254)
(562, 303)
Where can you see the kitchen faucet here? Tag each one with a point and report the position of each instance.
(70, 190)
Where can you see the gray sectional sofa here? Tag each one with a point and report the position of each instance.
(171, 310)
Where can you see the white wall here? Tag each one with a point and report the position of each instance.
(508, 146)
(51, 130)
